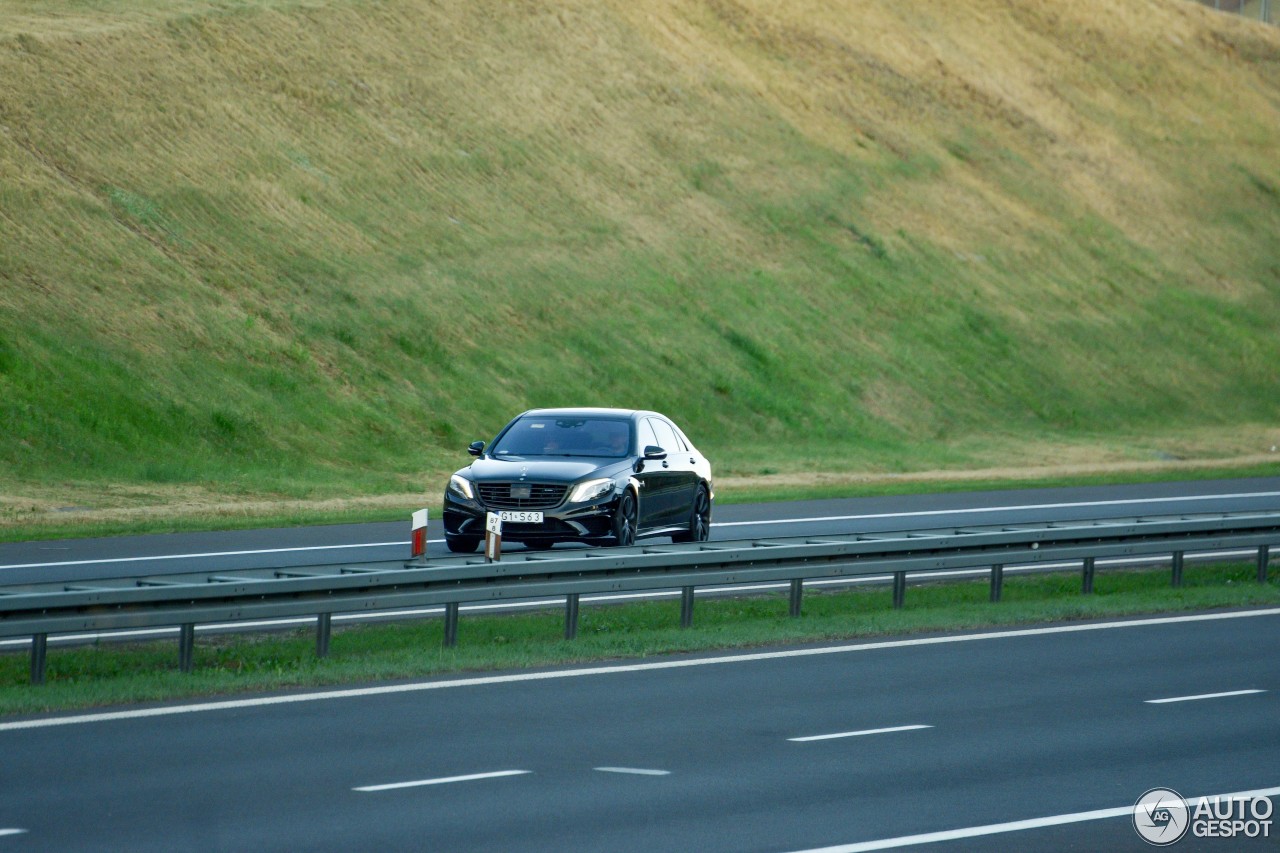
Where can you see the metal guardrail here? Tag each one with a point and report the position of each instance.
(1258, 9)
(38, 610)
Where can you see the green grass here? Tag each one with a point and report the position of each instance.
(279, 252)
(114, 674)
(878, 487)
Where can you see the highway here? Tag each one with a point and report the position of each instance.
(90, 559)
(1035, 739)
(158, 555)
(976, 741)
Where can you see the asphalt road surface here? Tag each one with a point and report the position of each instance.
(90, 559)
(158, 555)
(1040, 739)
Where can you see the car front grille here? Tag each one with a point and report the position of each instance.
(538, 496)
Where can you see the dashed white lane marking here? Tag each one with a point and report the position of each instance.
(980, 509)
(1203, 696)
(445, 780)
(885, 731)
(636, 771)
(1018, 825)
(592, 671)
(4, 832)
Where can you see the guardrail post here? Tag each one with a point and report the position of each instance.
(323, 631)
(1264, 553)
(899, 589)
(686, 607)
(1177, 568)
(186, 647)
(997, 581)
(451, 624)
(39, 647)
(797, 593)
(1086, 579)
(571, 616)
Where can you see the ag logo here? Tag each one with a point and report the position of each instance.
(1161, 816)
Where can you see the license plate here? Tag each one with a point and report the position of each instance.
(516, 517)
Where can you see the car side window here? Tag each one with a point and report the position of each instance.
(647, 436)
(666, 438)
(682, 440)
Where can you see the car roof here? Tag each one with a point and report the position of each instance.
(588, 411)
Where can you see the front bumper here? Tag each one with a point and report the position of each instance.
(567, 522)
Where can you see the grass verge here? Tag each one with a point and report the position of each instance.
(980, 482)
(298, 514)
(117, 674)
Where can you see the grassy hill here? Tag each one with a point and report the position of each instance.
(269, 250)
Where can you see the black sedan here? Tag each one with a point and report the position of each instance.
(582, 475)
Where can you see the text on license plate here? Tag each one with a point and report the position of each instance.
(517, 517)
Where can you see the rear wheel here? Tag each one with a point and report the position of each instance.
(462, 544)
(699, 519)
(625, 519)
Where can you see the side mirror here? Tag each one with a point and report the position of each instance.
(476, 448)
(653, 451)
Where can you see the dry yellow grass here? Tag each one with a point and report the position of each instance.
(307, 223)
(868, 79)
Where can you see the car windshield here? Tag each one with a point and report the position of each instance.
(552, 436)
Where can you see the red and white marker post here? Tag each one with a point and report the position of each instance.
(493, 537)
(419, 543)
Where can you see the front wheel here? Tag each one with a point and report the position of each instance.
(625, 520)
(462, 544)
(699, 519)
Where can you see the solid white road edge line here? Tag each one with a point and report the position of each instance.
(636, 771)
(917, 514)
(857, 734)
(1203, 696)
(1198, 556)
(1015, 826)
(497, 774)
(551, 675)
(205, 554)
(978, 509)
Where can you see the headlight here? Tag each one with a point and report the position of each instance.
(590, 490)
(461, 487)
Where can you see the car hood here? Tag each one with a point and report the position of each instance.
(541, 469)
